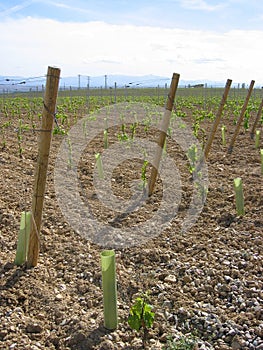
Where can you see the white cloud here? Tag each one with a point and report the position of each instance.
(62, 5)
(16, 8)
(29, 45)
(201, 5)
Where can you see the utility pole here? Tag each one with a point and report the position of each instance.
(88, 81)
(105, 81)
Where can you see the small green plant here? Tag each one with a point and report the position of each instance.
(123, 136)
(133, 129)
(198, 117)
(192, 157)
(246, 120)
(19, 137)
(147, 123)
(143, 172)
(141, 316)
(250, 108)
(21, 128)
(59, 130)
(196, 127)
(3, 132)
(201, 188)
(183, 343)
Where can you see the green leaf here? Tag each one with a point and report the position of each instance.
(148, 318)
(141, 314)
(134, 322)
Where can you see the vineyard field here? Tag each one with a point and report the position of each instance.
(205, 283)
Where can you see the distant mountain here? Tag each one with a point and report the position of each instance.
(82, 81)
(17, 83)
(129, 81)
(110, 80)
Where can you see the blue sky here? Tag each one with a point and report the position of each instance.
(200, 39)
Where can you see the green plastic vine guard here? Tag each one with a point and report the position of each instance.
(239, 196)
(23, 238)
(99, 165)
(105, 139)
(109, 288)
(257, 138)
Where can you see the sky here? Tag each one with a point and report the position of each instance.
(199, 39)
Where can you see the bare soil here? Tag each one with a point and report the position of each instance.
(206, 282)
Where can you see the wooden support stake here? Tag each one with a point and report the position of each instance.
(44, 142)
(163, 132)
(242, 113)
(257, 119)
(217, 118)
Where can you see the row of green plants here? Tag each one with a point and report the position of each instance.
(71, 108)
(23, 114)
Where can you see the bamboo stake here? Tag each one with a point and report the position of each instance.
(217, 118)
(257, 119)
(44, 142)
(163, 132)
(241, 116)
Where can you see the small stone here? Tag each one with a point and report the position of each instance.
(237, 343)
(187, 279)
(168, 304)
(89, 303)
(33, 328)
(231, 332)
(163, 338)
(59, 297)
(41, 316)
(78, 338)
(106, 345)
(9, 266)
(183, 312)
(248, 335)
(165, 257)
(64, 322)
(228, 279)
(3, 334)
(170, 278)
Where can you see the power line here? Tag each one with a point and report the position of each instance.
(12, 81)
